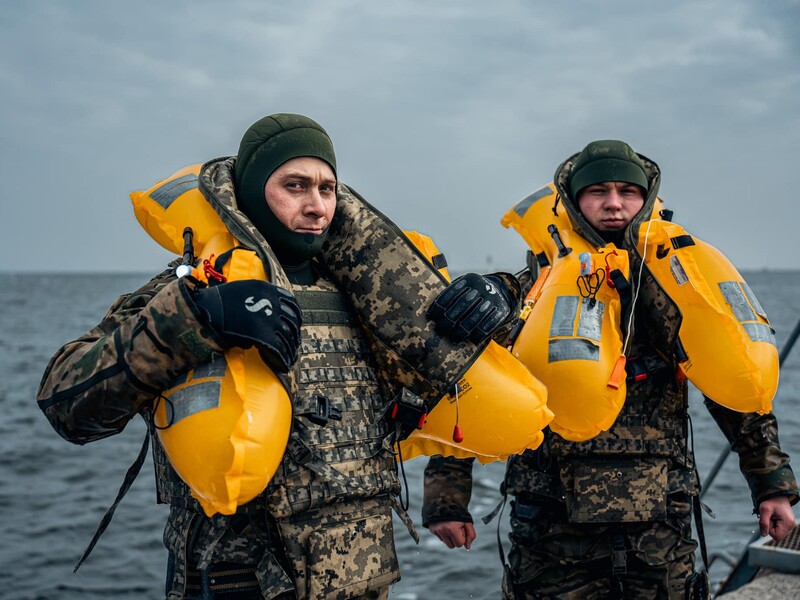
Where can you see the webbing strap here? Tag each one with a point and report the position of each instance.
(404, 517)
(130, 476)
(623, 287)
(681, 241)
(219, 524)
(303, 455)
(498, 512)
(619, 556)
(697, 509)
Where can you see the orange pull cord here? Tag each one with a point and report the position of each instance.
(458, 437)
(608, 270)
(210, 272)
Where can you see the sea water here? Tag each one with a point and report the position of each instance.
(53, 494)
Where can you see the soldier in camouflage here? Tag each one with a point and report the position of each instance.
(353, 328)
(611, 517)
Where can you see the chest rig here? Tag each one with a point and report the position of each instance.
(340, 446)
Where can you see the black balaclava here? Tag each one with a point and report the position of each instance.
(265, 146)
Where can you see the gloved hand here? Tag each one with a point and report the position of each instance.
(252, 312)
(472, 306)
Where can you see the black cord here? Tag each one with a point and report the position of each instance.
(403, 505)
(170, 412)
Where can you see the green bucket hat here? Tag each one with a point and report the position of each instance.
(606, 160)
(265, 146)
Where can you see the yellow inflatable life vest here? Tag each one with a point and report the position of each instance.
(571, 340)
(747, 364)
(729, 342)
(500, 407)
(224, 426)
(573, 345)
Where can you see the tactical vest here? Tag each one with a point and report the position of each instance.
(340, 447)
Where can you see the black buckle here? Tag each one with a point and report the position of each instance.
(325, 411)
(409, 412)
(636, 370)
(619, 557)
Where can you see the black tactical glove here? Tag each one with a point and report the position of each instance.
(252, 312)
(472, 306)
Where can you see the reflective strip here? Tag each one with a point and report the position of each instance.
(759, 332)
(193, 399)
(523, 205)
(590, 324)
(215, 368)
(676, 268)
(170, 191)
(734, 296)
(572, 349)
(564, 313)
(754, 301)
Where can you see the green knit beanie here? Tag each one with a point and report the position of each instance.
(606, 160)
(265, 146)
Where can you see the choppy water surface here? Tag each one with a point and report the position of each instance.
(52, 494)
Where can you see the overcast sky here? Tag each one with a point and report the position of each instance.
(443, 113)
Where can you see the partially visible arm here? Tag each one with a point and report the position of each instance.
(446, 496)
(765, 466)
(95, 385)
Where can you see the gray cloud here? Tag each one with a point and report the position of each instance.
(444, 114)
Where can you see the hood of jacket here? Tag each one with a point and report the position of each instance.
(579, 222)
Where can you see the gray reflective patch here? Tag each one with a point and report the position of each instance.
(590, 324)
(523, 205)
(193, 399)
(754, 301)
(759, 332)
(564, 313)
(677, 270)
(734, 296)
(572, 349)
(213, 368)
(169, 192)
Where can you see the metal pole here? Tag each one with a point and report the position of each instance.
(712, 475)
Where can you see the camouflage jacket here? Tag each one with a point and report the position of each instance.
(96, 384)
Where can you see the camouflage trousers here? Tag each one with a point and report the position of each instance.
(553, 559)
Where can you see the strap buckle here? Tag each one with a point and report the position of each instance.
(325, 411)
(636, 370)
(409, 412)
(619, 557)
